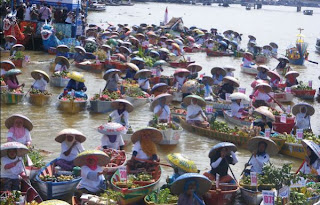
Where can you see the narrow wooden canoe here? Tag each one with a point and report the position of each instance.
(72, 106)
(250, 71)
(39, 99)
(99, 106)
(293, 150)
(251, 197)
(283, 127)
(29, 193)
(59, 82)
(170, 136)
(96, 68)
(225, 195)
(213, 53)
(135, 195)
(177, 96)
(234, 120)
(283, 97)
(238, 54)
(11, 98)
(304, 94)
(54, 190)
(137, 102)
(180, 64)
(52, 51)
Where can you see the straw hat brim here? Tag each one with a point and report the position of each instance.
(273, 74)
(194, 66)
(181, 162)
(220, 145)
(26, 121)
(35, 75)
(260, 67)
(201, 101)
(161, 87)
(296, 109)
(233, 80)
(21, 148)
(312, 145)
(266, 87)
(10, 37)
(214, 70)
(54, 202)
(204, 184)
(208, 79)
(156, 100)
(272, 148)
(107, 74)
(63, 48)
(103, 158)
(79, 49)
(115, 104)
(133, 66)
(18, 47)
(63, 133)
(111, 128)
(63, 59)
(294, 73)
(76, 76)
(138, 74)
(155, 134)
(264, 111)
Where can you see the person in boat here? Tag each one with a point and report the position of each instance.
(179, 80)
(112, 137)
(112, 78)
(209, 44)
(158, 70)
(208, 93)
(291, 78)
(19, 129)
(261, 96)
(218, 75)
(76, 82)
(247, 60)
(237, 108)
(121, 113)
(162, 110)
(262, 74)
(303, 114)
(188, 197)
(61, 65)
(312, 161)
(71, 146)
(195, 114)
(144, 82)
(229, 70)
(283, 65)
(259, 158)
(11, 169)
(80, 54)
(130, 72)
(229, 83)
(265, 120)
(12, 82)
(40, 83)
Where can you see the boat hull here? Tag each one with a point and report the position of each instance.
(212, 53)
(251, 197)
(304, 94)
(96, 68)
(250, 71)
(72, 106)
(293, 150)
(20, 63)
(283, 97)
(299, 61)
(180, 64)
(98, 106)
(30, 193)
(11, 98)
(280, 127)
(225, 195)
(137, 102)
(235, 121)
(39, 99)
(59, 82)
(170, 136)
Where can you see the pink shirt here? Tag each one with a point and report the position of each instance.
(12, 85)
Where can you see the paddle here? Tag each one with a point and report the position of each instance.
(198, 199)
(28, 90)
(152, 162)
(300, 166)
(231, 171)
(25, 171)
(281, 106)
(245, 165)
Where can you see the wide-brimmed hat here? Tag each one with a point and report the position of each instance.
(124, 49)
(220, 145)
(273, 74)
(191, 86)
(137, 59)
(111, 128)
(14, 71)
(164, 50)
(35, 75)
(140, 35)
(26, 121)
(7, 65)
(154, 134)
(139, 73)
(265, 86)
(63, 48)
(11, 37)
(229, 67)
(103, 158)
(106, 47)
(63, 59)
(76, 76)
(268, 47)
(182, 70)
(260, 67)
(252, 37)
(201, 101)
(215, 69)
(194, 67)
(109, 72)
(159, 86)
(296, 108)
(79, 49)
(283, 59)
(159, 63)
(294, 73)
(312, 145)
(132, 66)
(181, 162)
(128, 106)
(233, 80)
(21, 148)
(156, 100)
(208, 79)
(239, 96)
(273, 45)
(18, 47)
(263, 110)
(272, 148)
(79, 136)
(204, 184)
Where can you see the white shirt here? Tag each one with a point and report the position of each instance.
(165, 115)
(23, 140)
(192, 110)
(210, 45)
(258, 162)
(60, 68)
(40, 84)
(27, 16)
(262, 96)
(12, 173)
(235, 107)
(230, 74)
(140, 152)
(306, 169)
(117, 118)
(146, 85)
(115, 145)
(302, 122)
(246, 63)
(180, 81)
(74, 151)
(92, 184)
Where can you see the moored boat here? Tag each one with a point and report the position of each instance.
(192, 50)
(304, 94)
(59, 81)
(293, 150)
(97, 7)
(213, 53)
(39, 99)
(11, 98)
(99, 106)
(299, 53)
(91, 67)
(72, 105)
(283, 97)
(251, 197)
(180, 64)
(234, 120)
(219, 106)
(171, 136)
(19, 63)
(249, 70)
(224, 195)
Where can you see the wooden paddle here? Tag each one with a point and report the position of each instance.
(300, 166)
(281, 106)
(245, 165)
(234, 177)
(152, 162)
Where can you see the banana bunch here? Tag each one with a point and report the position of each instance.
(64, 178)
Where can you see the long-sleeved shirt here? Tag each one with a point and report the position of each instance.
(12, 84)
(40, 84)
(315, 166)
(221, 166)
(257, 162)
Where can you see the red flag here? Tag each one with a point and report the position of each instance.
(166, 16)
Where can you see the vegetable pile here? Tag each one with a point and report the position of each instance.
(106, 96)
(70, 98)
(59, 178)
(162, 126)
(36, 158)
(10, 198)
(62, 74)
(301, 86)
(306, 135)
(117, 157)
(38, 92)
(136, 180)
(136, 93)
(163, 196)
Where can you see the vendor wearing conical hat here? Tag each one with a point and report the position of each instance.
(229, 83)
(12, 80)
(41, 80)
(312, 159)
(262, 74)
(80, 54)
(161, 108)
(62, 64)
(265, 120)
(195, 114)
(303, 113)
(121, 113)
(291, 78)
(19, 129)
(208, 93)
(217, 75)
(76, 82)
(112, 78)
(10, 41)
(261, 96)
(71, 146)
(112, 137)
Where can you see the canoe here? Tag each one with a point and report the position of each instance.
(283, 97)
(225, 195)
(116, 64)
(20, 63)
(137, 102)
(213, 53)
(304, 94)
(11, 98)
(96, 68)
(114, 163)
(170, 136)
(293, 150)
(299, 61)
(234, 120)
(99, 106)
(192, 50)
(250, 71)
(135, 195)
(251, 197)
(180, 64)
(283, 127)
(29, 192)
(177, 96)
(54, 190)
(59, 82)
(72, 106)
(39, 99)
(262, 59)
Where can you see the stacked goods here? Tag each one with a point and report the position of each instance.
(106, 96)
(306, 135)
(57, 178)
(301, 86)
(136, 92)
(70, 97)
(136, 180)
(117, 157)
(62, 74)
(38, 92)
(162, 196)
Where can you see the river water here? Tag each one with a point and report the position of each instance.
(277, 24)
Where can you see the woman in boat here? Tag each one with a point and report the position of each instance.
(158, 69)
(180, 78)
(262, 74)
(159, 88)
(80, 54)
(131, 71)
(303, 112)
(229, 83)
(261, 96)
(143, 79)
(195, 114)
(237, 108)
(12, 166)
(311, 164)
(218, 74)
(41, 80)
(229, 69)
(161, 108)
(208, 93)
(274, 79)
(71, 146)
(19, 129)
(112, 137)
(259, 158)
(112, 78)
(12, 81)
(291, 78)
(209, 44)
(76, 82)
(247, 60)
(283, 65)
(266, 118)
(62, 64)
(121, 113)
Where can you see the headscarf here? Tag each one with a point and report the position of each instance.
(112, 138)
(262, 153)
(18, 132)
(148, 146)
(93, 166)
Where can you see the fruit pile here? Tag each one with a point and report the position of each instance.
(32, 203)
(136, 93)
(16, 91)
(38, 92)
(135, 181)
(301, 86)
(62, 74)
(306, 135)
(117, 157)
(59, 178)
(69, 97)
(223, 127)
(249, 131)
(106, 96)
(10, 198)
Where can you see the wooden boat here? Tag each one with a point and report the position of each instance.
(283, 97)
(170, 136)
(54, 190)
(250, 71)
(176, 113)
(11, 98)
(19, 63)
(262, 59)
(234, 120)
(135, 195)
(59, 82)
(137, 102)
(99, 106)
(225, 195)
(91, 67)
(251, 197)
(192, 50)
(39, 99)
(115, 64)
(304, 94)
(97, 7)
(177, 96)
(293, 150)
(180, 64)
(283, 127)
(213, 53)
(72, 106)
(308, 12)
(114, 163)
(30, 193)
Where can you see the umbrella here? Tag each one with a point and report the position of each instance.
(220, 145)
(128, 106)
(267, 47)
(204, 184)
(146, 71)
(181, 162)
(159, 86)
(62, 59)
(252, 37)
(108, 72)
(215, 69)
(156, 100)
(154, 52)
(208, 79)
(233, 80)
(153, 133)
(17, 47)
(201, 101)
(273, 74)
(103, 158)
(159, 63)
(263, 110)
(260, 67)
(137, 59)
(239, 96)
(76, 76)
(312, 145)
(21, 148)
(195, 67)
(178, 41)
(229, 67)
(191, 39)
(7, 65)
(124, 49)
(26, 121)
(132, 66)
(191, 86)
(164, 50)
(54, 202)
(265, 86)
(181, 70)
(111, 128)
(296, 108)
(63, 48)
(80, 49)
(12, 38)
(294, 73)
(79, 136)
(14, 71)
(272, 147)
(35, 75)
(284, 59)
(121, 56)
(273, 45)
